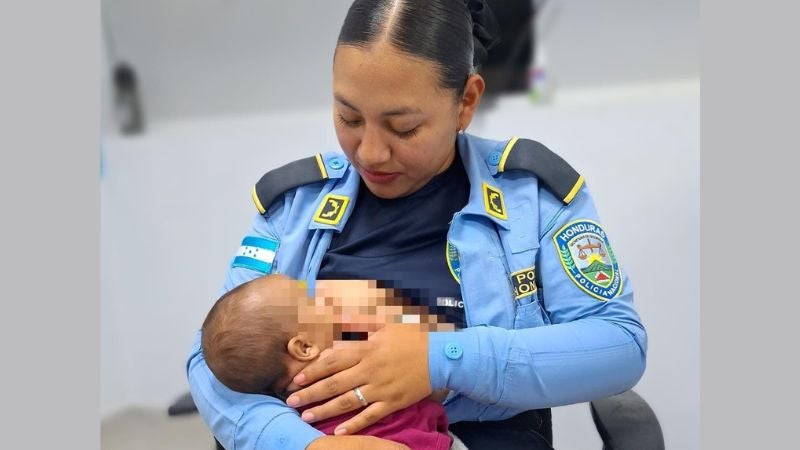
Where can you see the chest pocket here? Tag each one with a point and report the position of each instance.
(529, 313)
(522, 248)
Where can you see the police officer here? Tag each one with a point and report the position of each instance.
(500, 237)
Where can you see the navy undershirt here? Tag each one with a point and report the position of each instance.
(401, 243)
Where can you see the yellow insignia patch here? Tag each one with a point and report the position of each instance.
(331, 209)
(493, 201)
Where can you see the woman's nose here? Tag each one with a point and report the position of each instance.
(373, 151)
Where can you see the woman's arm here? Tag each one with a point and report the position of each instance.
(238, 420)
(593, 348)
(244, 421)
(596, 346)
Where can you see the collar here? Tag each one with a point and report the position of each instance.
(479, 156)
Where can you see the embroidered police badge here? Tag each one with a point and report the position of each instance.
(331, 209)
(588, 259)
(493, 201)
(453, 262)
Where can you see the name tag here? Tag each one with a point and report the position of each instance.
(524, 282)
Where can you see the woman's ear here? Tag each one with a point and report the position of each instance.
(301, 349)
(473, 91)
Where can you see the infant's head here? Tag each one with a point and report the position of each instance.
(259, 335)
(253, 336)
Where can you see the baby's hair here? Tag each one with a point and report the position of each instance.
(244, 343)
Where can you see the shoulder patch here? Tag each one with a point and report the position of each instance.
(256, 253)
(277, 181)
(555, 173)
(587, 258)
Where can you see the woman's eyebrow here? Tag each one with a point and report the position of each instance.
(394, 112)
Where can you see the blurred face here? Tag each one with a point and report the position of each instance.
(393, 120)
(359, 305)
(348, 306)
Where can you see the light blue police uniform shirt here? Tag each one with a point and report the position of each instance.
(575, 338)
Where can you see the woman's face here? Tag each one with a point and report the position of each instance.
(393, 120)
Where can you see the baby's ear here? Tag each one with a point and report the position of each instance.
(301, 349)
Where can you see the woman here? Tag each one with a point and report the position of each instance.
(502, 237)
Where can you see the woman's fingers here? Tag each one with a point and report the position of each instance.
(398, 375)
(293, 387)
(363, 419)
(333, 376)
(342, 404)
(391, 371)
(342, 357)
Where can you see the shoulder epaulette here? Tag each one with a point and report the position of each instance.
(555, 173)
(277, 181)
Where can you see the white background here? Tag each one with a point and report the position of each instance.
(234, 88)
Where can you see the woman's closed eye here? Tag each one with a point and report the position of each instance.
(406, 134)
(348, 123)
(355, 123)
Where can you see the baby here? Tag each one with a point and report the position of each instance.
(258, 336)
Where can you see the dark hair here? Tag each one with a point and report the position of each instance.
(244, 346)
(453, 34)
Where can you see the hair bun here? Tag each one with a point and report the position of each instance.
(484, 30)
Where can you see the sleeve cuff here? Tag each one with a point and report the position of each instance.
(453, 358)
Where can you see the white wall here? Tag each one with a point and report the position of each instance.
(592, 43)
(175, 204)
(205, 57)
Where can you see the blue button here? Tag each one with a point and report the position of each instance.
(335, 163)
(494, 158)
(453, 351)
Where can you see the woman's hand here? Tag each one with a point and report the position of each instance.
(354, 443)
(391, 370)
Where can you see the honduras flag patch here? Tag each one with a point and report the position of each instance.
(256, 253)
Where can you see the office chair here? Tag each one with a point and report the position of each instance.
(626, 422)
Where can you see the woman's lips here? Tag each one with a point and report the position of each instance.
(379, 177)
